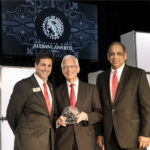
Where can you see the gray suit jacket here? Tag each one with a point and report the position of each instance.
(28, 116)
(130, 113)
(83, 132)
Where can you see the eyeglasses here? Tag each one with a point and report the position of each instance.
(67, 67)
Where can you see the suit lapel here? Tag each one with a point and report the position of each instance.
(66, 95)
(122, 83)
(40, 96)
(52, 94)
(80, 96)
(107, 84)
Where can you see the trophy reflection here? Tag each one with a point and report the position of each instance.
(71, 113)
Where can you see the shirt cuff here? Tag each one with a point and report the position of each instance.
(57, 125)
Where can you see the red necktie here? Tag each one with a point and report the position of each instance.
(47, 100)
(114, 85)
(72, 96)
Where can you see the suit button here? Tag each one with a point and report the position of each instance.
(113, 110)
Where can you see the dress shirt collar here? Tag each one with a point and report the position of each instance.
(76, 83)
(39, 80)
(119, 70)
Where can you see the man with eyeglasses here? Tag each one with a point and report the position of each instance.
(81, 135)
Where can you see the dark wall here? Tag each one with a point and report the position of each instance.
(114, 19)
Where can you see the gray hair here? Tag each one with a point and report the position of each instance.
(70, 56)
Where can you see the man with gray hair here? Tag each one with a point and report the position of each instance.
(82, 96)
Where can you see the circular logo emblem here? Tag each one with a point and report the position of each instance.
(52, 26)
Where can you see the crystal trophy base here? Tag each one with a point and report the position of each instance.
(71, 114)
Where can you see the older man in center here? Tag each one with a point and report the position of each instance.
(81, 135)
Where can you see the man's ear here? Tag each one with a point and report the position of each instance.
(126, 56)
(78, 69)
(35, 65)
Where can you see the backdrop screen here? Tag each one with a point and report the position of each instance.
(58, 26)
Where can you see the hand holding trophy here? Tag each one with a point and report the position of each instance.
(71, 113)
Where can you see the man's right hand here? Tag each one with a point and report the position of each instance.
(100, 142)
(62, 121)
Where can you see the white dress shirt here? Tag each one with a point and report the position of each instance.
(40, 82)
(76, 85)
(119, 73)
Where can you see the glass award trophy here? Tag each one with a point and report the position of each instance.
(71, 114)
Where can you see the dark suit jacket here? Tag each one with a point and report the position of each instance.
(28, 116)
(84, 134)
(130, 113)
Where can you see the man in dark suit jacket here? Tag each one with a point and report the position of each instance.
(28, 115)
(126, 119)
(82, 135)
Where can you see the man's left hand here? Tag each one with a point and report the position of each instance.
(82, 117)
(143, 141)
